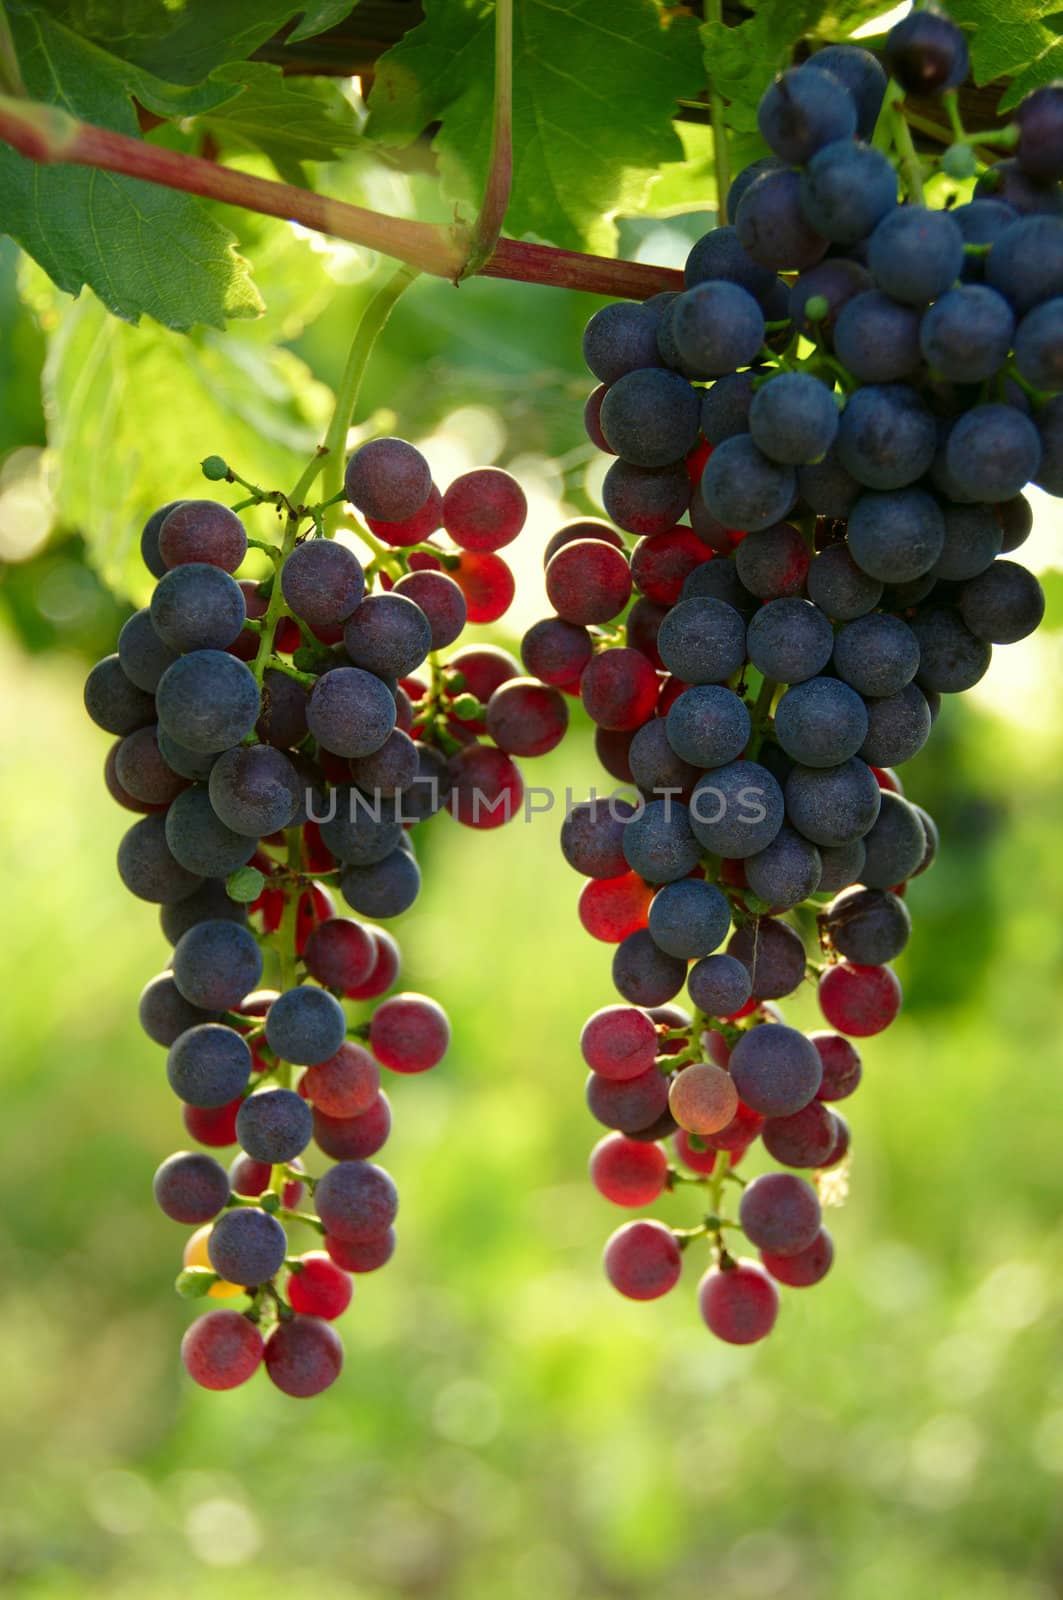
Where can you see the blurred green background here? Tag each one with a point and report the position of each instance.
(505, 1424)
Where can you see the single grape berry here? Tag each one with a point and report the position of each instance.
(388, 479)
(356, 1201)
(484, 510)
(526, 718)
(773, 955)
(807, 1267)
(619, 1042)
(627, 1172)
(409, 1033)
(642, 1260)
(859, 1001)
(208, 1065)
(303, 1356)
(780, 1213)
(703, 1098)
(720, 985)
(318, 1287)
(274, 1125)
(927, 53)
(190, 1187)
(738, 1301)
(367, 1256)
(776, 1070)
(247, 1246)
(322, 581)
(221, 1350)
(305, 1025)
(346, 1085)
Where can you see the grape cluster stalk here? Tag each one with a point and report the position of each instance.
(284, 741)
(821, 445)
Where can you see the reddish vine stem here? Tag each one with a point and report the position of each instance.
(50, 136)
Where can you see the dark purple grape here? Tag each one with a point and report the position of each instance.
(388, 480)
(274, 1125)
(190, 1187)
(779, 1212)
(247, 1246)
(208, 1065)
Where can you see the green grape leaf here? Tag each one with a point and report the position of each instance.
(319, 18)
(1004, 36)
(182, 41)
(284, 117)
(116, 458)
(145, 250)
(1047, 68)
(586, 144)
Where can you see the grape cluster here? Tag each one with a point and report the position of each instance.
(281, 748)
(821, 444)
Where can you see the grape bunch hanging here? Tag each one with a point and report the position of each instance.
(283, 749)
(846, 402)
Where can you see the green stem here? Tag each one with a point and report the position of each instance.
(762, 704)
(488, 225)
(906, 151)
(288, 977)
(371, 324)
(721, 156)
(950, 100)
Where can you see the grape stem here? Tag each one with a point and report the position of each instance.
(904, 145)
(370, 326)
(487, 228)
(49, 135)
(288, 978)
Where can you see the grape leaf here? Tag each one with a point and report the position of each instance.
(1004, 35)
(319, 17)
(145, 250)
(1047, 68)
(182, 41)
(303, 121)
(252, 402)
(586, 142)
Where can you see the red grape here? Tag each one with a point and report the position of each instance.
(354, 1138)
(409, 1033)
(319, 1288)
(619, 689)
(385, 970)
(346, 1085)
(340, 953)
(739, 1302)
(611, 908)
(303, 1356)
(619, 1042)
(415, 529)
(221, 1350)
(484, 509)
(365, 1255)
(661, 562)
(588, 581)
(487, 788)
(859, 1001)
(487, 584)
(642, 1260)
(627, 1172)
(805, 1268)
